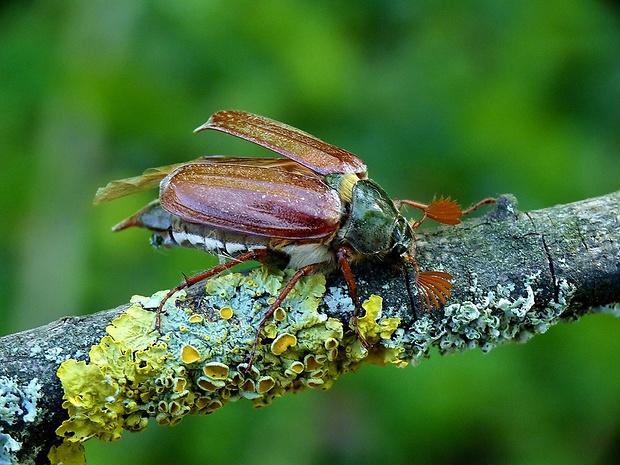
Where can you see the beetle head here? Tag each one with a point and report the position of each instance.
(403, 242)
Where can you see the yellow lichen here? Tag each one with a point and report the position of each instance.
(279, 314)
(265, 384)
(314, 382)
(216, 370)
(270, 330)
(368, 326)
(134, 328)
(67, 453)
(96, 393)
(331, 343)
(313, 362)
(226, 313)
(296, 367)
(180, 385)
(213, 406)
(202, 402)
(248, 385)
(189, 354)
(137, 372)
(209, 384)
(282, 343)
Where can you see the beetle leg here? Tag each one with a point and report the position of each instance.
(303, 271)
(343, 254)
(259, 255)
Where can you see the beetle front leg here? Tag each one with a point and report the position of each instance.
(477, 205)
(343, 255)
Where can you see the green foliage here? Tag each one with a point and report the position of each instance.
(467, 99)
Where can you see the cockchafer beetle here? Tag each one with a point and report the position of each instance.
(314, 210)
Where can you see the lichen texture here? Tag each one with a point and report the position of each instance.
(17, 403)
(197, 360)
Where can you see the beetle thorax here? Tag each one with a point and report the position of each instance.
(373, 222)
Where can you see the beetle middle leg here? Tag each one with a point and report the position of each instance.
(343, 255)
(303, 271)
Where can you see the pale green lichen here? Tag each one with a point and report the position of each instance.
(196, 365)
(612, 309)
(492, 318)
(17, 403)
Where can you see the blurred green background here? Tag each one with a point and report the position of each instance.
(460, 98)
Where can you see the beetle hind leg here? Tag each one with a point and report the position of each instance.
(258, 254)
(343, 255)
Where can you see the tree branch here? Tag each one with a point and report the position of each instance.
(515, 275)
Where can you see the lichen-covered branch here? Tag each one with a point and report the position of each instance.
(515, 275)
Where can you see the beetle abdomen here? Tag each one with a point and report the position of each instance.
(214, 241)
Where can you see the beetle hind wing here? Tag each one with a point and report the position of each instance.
(148, 180)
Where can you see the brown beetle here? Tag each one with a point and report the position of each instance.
(313, 210)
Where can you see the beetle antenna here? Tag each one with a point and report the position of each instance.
(433, 286)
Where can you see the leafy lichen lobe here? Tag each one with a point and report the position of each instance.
(489, 319)
(18, 404)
